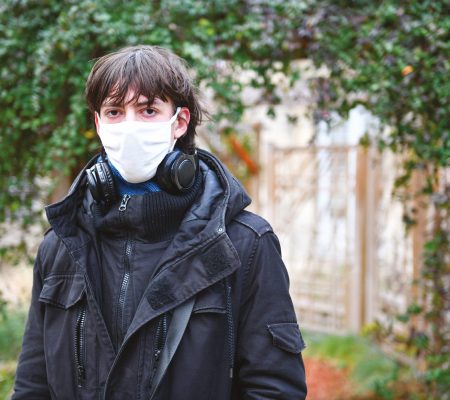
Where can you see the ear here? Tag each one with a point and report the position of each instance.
(181, 123)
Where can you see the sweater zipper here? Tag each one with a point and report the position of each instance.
(121, 302)
(124, 202)
(80, 346)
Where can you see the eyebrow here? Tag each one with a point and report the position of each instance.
(156, 102)
(146, 103)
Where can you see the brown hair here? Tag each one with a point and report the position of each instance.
(150, 71)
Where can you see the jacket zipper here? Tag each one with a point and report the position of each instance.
(120, 322)
(80, 346)
(229, 311)
(123, 294)
(160, 340)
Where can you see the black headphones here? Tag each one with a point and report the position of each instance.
(175, 174)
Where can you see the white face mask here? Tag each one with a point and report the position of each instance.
(136, 148)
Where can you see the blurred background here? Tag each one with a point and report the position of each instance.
(335, 117)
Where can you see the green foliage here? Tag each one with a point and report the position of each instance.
(12, 323)
(7, 371)
(393, 58)
(48, 47)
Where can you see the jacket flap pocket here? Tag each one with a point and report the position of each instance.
(62, 290)
(211, 300)
(287, 336)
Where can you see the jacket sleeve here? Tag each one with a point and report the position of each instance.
(31, 376)
(269, 344)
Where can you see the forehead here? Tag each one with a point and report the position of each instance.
(131, 97)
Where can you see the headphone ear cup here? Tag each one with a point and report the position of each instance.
(92, 183)
(177, 172)
(101, 184)
(109, 188)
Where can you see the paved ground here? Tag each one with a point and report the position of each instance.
(326, 382)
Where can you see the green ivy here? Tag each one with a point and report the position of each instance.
(394, 59)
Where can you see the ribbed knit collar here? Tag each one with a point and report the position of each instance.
(152, 217)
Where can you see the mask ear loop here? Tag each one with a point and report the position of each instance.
(172, 120)
(174, 117)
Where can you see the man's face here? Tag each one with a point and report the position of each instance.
(142, 110)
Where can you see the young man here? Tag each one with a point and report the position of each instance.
(154, 282)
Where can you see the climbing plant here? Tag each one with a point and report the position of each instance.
(394, 59)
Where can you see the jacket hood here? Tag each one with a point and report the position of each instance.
(231, 197)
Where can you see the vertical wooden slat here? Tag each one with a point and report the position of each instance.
(370, 273)
(256, 179)
(358, 276)
(418, 233)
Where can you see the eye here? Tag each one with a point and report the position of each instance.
(112, 113)
(148, 112)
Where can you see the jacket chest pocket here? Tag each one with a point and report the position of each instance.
(66, 329)
(211, 300)
(62, 291)
(209, 321)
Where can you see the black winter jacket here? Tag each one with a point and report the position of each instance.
(240, 339)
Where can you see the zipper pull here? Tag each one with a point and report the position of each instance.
(124, 202)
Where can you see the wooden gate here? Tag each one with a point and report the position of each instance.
(341, 233)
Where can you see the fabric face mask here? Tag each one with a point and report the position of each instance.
(136, 148)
